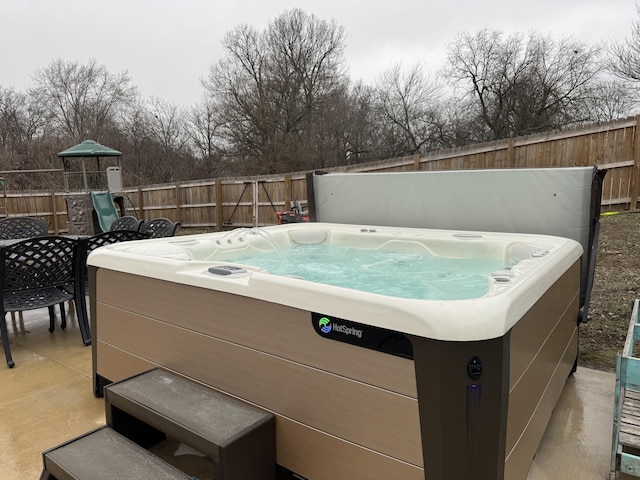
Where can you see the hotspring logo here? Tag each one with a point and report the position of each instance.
(326, 327)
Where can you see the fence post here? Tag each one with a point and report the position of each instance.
(510, 153)
(219, 201)
(635, 171)
(256, 207)
(140, 203)
(287, 192)
(54, 216)
(211, 212)
(416, 162)
(178, 204)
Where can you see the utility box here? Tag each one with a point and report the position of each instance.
(114, 179)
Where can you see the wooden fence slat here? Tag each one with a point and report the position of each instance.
(210, 202)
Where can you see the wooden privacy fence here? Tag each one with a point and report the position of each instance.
(226, 203)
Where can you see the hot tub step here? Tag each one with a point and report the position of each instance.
(236, 436)
(105, 454)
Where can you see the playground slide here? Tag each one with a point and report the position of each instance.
(105, 209)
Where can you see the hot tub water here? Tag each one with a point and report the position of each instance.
(400, 274)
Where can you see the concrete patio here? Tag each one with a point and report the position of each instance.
(47, 399)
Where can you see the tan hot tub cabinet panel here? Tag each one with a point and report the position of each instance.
(374, 415)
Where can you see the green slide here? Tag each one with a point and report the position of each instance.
(105, 209)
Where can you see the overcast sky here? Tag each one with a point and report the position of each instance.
(167, 46)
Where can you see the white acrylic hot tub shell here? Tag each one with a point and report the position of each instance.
(186, 259)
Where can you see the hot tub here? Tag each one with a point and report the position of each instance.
(363, 383)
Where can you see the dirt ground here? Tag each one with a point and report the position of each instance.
(616, 286)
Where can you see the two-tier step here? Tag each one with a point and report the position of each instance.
(238, 438)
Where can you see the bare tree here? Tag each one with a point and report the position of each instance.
(406, 103)
(620, 96)
(21, 120)
(12, 118)
(155, 141)
(23, 141)
(613, 98)
(270, 87)
(624, 57)
(166, 125)
(203, 125)
(135, 127)
(353, 127)
(522, 86)
(82, 99)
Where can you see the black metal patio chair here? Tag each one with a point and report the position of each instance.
(159, 227)
(18, 228)
(36, 273)
(88, 245)
(13, 228)
(107, 238)
(127, 222)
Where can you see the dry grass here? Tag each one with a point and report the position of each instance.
(616, 286)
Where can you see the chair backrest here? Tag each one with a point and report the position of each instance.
(89, 244)
(105, 209)
(112, 236)
(37, 263)
(159, 227)
(126, 223)
(12, 228)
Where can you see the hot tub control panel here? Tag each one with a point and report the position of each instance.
(228, 271)
(474, 368)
